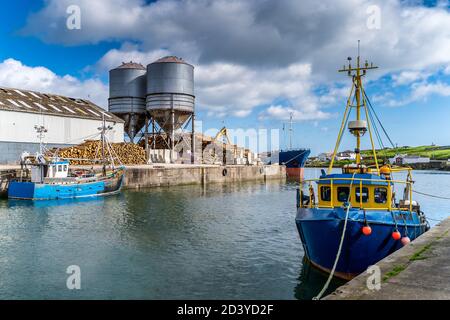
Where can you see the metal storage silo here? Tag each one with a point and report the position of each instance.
(170, 96)
(127, 88)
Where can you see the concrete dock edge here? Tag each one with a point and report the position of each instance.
(158, 176)
(418, 271)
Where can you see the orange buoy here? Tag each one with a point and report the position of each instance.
(385, 170)
(405, 240)
(367, 230)
(396, 235)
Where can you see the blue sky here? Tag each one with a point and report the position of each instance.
(255, 61)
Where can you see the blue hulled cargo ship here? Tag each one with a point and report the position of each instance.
(349, 221)
(294, 160)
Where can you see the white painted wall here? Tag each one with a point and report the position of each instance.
(409, 160)
(19, 127)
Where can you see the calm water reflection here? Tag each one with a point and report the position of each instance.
(218, 242)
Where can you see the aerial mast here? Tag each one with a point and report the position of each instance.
(358, 127)
(103, 130)
(290, 130)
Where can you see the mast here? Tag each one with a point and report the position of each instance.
(290, 130)
(358, 127)
(102, 135)
(104, 143)
(41, 130)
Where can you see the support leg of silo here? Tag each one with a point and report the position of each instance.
(172, 137)
(193, 140)
(147, 153)
(153, 134)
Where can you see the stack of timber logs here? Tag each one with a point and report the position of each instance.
(125, 153)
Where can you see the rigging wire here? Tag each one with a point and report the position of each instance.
(378, 136)
(379, 121)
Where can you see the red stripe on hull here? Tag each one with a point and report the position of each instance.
(295, 173)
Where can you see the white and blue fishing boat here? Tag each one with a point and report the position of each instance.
(348, 221)
(46, 177)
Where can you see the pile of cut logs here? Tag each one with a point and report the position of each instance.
(125, 153)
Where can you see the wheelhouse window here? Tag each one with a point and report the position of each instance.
(325, 193)
(380, 195)
(343, 193)
(60, 168)
(361, 196)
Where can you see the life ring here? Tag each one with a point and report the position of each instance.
(225, 172)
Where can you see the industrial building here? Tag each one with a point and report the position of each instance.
(67, 121)
(154, 106)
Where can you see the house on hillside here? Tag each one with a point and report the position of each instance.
(401, 159)
(346, 155)
(325, 156)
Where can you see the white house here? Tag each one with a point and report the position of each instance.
(400, 159)
(325, 156)
(346, 155)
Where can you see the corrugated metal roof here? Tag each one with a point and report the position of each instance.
(35, 102)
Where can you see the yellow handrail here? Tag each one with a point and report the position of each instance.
(362, 179)
(332, 193)
(360, 194)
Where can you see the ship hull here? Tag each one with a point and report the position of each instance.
(294, 160)
(295, 173)
(42, 191)
(320, 231)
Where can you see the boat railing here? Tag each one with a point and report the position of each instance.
(357, 182)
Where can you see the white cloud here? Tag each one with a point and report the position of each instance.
(259, 32)
(250, 53)
(407, 77)
(283, 113)
(423, 90)
(14, 74)
(447, 70)
(420, 92)
(236, 89)
(128, 52)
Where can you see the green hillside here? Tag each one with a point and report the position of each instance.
(434, 152)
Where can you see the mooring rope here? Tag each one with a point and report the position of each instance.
(295, 157)
(431, 195)
(437, 220)
(338, 254)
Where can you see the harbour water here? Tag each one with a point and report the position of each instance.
(235, 241)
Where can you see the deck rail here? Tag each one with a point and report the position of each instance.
(355, 181)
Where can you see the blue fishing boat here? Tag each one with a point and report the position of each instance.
(46, 177)
(348, 221)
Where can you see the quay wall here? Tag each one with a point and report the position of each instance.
(154, 176)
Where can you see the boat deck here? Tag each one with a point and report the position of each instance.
(418, 271)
